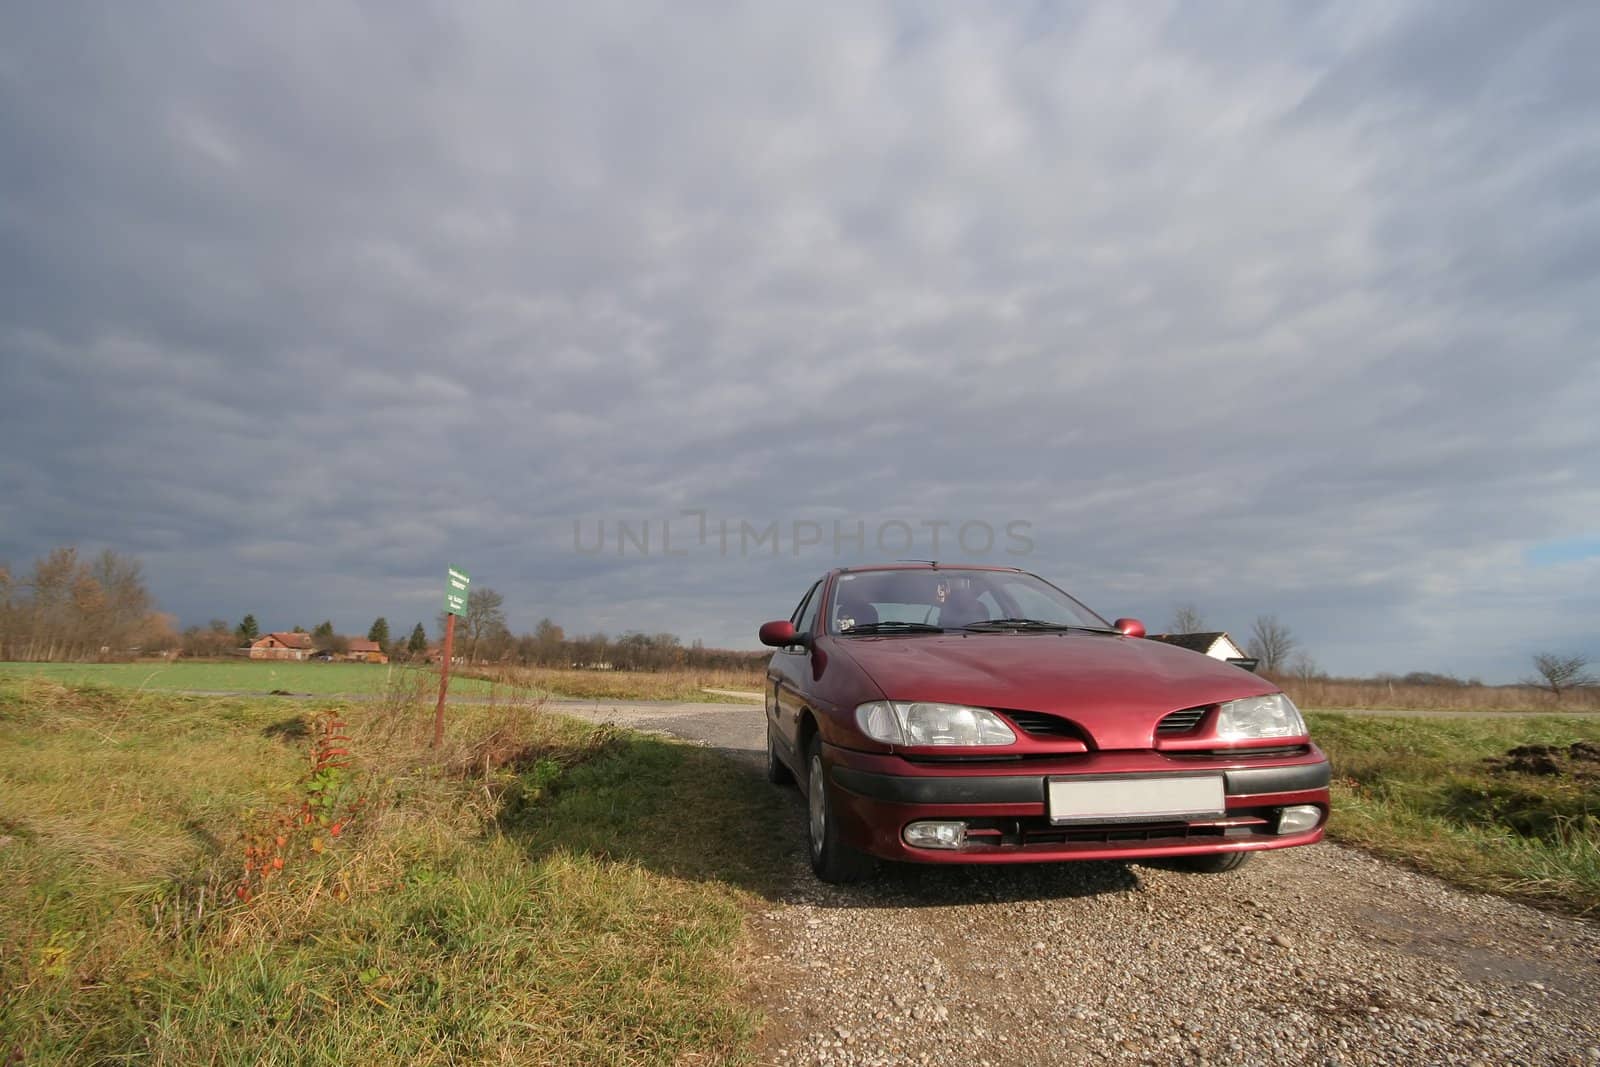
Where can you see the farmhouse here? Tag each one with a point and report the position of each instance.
(1217, 645)
(281, 646)
(365, 651)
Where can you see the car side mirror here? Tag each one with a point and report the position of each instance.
(1129, 627)
(781, 634)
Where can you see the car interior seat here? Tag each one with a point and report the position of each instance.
(851, 612)
(961, 609)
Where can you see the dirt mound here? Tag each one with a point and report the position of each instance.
(1579, 759)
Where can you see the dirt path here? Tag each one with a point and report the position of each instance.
(1314, 955)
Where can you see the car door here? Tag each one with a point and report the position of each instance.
(788, 673)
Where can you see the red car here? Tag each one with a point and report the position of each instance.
(969, 714)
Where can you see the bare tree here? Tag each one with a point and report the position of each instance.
(1560, 673)
(485, 619)
(49, 609)
(127, 604)
(158, 632)
(8, 620)
(1304, 669)
(217, 639)
(549, 641)
(1271, 643)
(1186, 619)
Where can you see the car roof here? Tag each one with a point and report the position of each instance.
(924, 565)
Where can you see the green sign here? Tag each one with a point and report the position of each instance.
(455, 590)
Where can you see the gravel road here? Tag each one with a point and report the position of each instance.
(1315, 955)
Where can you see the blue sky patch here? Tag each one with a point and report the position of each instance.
(1566, 550)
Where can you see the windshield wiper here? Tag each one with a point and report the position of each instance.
(893, 627)
(1032, 624)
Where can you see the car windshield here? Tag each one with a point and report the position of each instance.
(932, 601)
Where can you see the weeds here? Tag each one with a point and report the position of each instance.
(326, 801)
(1443, 796)
(540, 891)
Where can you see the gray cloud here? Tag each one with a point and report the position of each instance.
(1272, 310)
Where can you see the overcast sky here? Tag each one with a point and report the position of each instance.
(1288, 309)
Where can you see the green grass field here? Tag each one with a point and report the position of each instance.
(367, 680)
(243, 676)
(1419, 791)
(542, 891)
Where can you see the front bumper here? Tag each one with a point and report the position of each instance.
(1004, 806)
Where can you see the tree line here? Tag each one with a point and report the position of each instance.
(1278, 653)
(71, 607)
(482, 636)
(67, 607)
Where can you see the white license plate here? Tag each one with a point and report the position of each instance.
(1143, 799)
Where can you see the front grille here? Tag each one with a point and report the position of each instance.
(1180, 722)
(1039, 724)
(1238, 753)
(1037, 832)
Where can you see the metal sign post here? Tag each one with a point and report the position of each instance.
(455, 603)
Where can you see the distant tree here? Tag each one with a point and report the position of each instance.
(379, 632)
(8, 620)
(418, 644)
(158, 633)
(248, 631)
(494, 644)
(1304, 669)
(1186, 619)
(215, 640)
(50, 611)
(485, 618)
(298, 630)
(124, 604)
(548, 643)
(70, 607)
(1271, 643)
(1560, 673)
(590, 650)
(1434, 678)
(326, 639)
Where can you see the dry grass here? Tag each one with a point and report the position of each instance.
(542, 891)
(1334, 694)
(1419, 791)
(626, 685)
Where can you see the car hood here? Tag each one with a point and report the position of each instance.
(1115, 688)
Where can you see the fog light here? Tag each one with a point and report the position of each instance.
(935, 834)
(1299, 818)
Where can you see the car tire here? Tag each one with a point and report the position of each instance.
(831, 859)
(1215, 863)
(778, 772)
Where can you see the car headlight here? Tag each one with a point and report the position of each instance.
(921, 723)
(1273, 715)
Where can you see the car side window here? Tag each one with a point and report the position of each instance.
(806, 613)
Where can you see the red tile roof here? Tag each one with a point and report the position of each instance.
(361, 644)
(287, 640)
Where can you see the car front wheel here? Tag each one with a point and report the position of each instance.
(831, 859)
(1214, 863)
